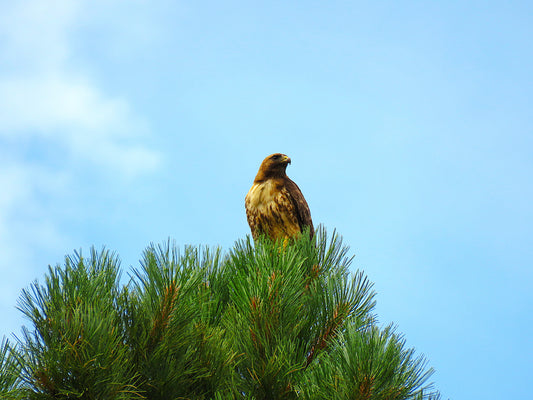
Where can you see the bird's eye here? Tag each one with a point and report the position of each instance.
(276, 157)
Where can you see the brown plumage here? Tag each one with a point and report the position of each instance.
(275, 206)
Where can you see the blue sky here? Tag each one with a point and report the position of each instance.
(409, 125)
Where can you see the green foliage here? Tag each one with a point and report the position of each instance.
(179, 348)
(282, 320)
(288, 303)
(368, 363)
(76, 348)
(9, 372)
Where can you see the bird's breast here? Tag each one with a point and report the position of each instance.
(261, 194)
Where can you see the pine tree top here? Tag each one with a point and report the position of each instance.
(266, 320)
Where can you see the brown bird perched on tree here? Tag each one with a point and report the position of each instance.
(275, 206)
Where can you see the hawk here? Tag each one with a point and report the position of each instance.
(275, 206)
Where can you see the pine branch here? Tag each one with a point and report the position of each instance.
(269, 320)
(10, 384)
(370, 364)
(75, 348)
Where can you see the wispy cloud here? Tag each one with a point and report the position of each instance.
(26, 229)
(43, 95)
(47, 98)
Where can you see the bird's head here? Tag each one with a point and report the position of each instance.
(273, 166)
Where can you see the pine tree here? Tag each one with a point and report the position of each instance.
(264, 321)
(9, 372)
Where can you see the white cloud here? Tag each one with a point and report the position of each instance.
(36, 32)
(74, 114)
(43, 96)
(25, 230)
(51, 105)
(46, 98)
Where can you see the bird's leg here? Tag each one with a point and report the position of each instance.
(283, 244)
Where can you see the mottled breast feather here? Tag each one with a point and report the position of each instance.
(277, 209)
